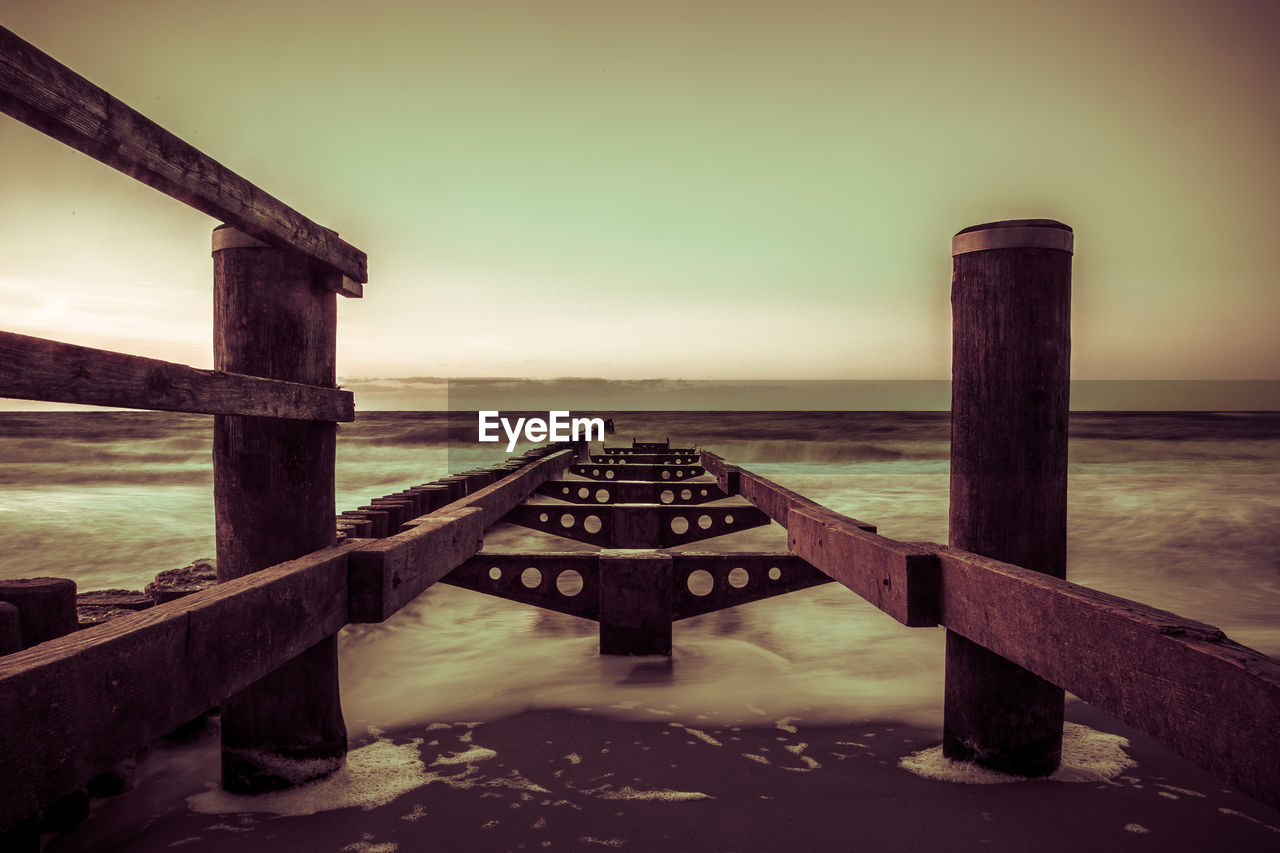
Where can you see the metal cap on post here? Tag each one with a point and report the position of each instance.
(1011, 349)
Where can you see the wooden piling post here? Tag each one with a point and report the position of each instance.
(46, 607)
(1011, 298)
(635, 603)
(275, 316)
(10, 629)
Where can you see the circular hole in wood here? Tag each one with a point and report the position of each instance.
(666, 475)
(686, 494)
(592, 524)
(595, 472)
(583, 492)
(602, 496)
(569, 583)
(531, 578)
(565, 490)
(738, 578)
(775, 573)
(701, 582)
(567, 520)
(704, 493)
(704, 521)
(667, 496)
(495, 573)
(608, 475)
(680, 524)
(679, 473)
(543, 518)
(728, 519)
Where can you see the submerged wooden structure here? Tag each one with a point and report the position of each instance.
(260, 644)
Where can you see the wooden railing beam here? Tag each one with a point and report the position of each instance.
(389, 573)
(1184, 683)
(75, 705)
(41, 92)
(55, 372)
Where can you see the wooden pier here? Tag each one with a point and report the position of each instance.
(261, 643)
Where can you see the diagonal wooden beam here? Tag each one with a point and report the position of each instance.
(41, 92)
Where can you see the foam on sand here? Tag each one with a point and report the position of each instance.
(374, 775)
(1087, 756)
(626, 792)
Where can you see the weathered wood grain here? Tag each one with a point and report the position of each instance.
(1211, 700)
(726, 475)
(273, 495)
(498, 498)
(898, 578)
(389, 573)
(47, 606)
(777, 501)
(75, 705)
(43, 93)
(476, 574)
(793, 574)
(40, 369)
(635, 602)
(1011, 355)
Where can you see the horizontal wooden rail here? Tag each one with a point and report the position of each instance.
(898, 578)
(497, 499)
(389, 573)
(43, 93)
(775, 500)
(1211, 700)
(40, 369)
(75, 705)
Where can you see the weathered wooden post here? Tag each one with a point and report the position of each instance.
(635, 603)
(46, 607)
(275, 316)
(1011, 346)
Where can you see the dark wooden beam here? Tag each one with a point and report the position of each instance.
(47, 95)
(775, 500)
(40, 369)
(1211, 700)
(1010, 369)
(899, 578)
(498, 498)
(275, 316)
(389, 573)
(75, 705)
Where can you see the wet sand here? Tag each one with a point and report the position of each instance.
(573, 780)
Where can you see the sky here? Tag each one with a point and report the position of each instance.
(715, 190)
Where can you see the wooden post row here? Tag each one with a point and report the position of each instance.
(275, 316)
(1010, 297)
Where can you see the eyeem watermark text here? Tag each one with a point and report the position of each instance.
(559, 426)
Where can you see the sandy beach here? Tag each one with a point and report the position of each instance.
(573, 780)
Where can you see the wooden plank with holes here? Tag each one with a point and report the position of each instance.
(55, 372)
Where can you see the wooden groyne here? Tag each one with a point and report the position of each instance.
(260, 644)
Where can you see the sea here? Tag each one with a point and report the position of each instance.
(1178, 510)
